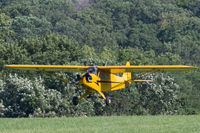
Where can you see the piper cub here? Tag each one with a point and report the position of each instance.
(99, 79)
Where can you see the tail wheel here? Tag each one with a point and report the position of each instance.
(75, 100)
(108, 100)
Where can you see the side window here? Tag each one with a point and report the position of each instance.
(104, 76)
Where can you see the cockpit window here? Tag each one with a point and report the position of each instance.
(92, 70)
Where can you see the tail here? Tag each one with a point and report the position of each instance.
(127, 75)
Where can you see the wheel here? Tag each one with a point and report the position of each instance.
(89, 96)
(75, 100)
(108, 100)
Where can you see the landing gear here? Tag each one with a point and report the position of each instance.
(75, 100)
(108, 100)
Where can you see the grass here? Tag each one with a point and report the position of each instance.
(113, 124)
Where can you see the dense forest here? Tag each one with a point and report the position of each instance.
(99, 32)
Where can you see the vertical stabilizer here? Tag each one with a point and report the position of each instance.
(127, 75)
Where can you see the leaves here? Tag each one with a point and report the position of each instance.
(108, 32)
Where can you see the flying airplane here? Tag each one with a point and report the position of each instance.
(99, 79)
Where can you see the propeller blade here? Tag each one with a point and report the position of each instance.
(78, 78)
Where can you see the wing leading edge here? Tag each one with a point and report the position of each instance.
(49, 68)
(109, 69)
(167, 68)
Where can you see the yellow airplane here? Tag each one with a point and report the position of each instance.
(102, 78)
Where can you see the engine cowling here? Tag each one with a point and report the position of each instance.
(88, 78)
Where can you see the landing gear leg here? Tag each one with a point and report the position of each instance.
(76, 100)
(107, 99)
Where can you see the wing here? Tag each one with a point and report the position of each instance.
(49, 68)
(121, 69)
(109, 69)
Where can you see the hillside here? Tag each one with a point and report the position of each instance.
(106, 32)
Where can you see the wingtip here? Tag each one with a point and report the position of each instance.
(194, 67)
(9, 66)
(6, 65)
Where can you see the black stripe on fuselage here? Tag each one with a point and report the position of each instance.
(107, 82)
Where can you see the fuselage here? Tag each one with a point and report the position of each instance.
(103, 81)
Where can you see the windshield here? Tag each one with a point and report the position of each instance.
(92, 70)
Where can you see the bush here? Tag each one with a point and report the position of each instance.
(21, 97)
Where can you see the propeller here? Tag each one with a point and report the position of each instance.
(79, 77)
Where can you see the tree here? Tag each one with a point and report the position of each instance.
(26, 26)
(12, 54)
(6, 32)
(41, 49)
(25, 98)
(160, 96)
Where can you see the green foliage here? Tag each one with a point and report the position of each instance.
(160, 96)
(169, 58)
(26, 26)
(23, 97)
(53, 11)
(108, 32)
(40, 49)
(6, 32)
(12, 54)
(139, 37)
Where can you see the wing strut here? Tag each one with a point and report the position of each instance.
(137, 78)
(140, 76)
(53, 75)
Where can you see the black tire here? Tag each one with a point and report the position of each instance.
(75, 100)
(108, 100)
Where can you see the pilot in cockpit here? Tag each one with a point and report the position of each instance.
(92, 70)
